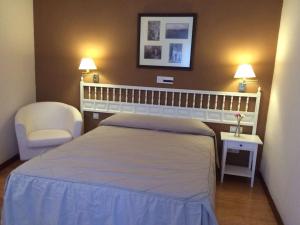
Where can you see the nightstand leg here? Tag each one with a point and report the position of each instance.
(253, 167)
(223, 161)
(250, 160)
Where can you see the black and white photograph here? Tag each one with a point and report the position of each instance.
(165, 40)
(177, 30)
(175, 53)
(153, 30)
(152, 52)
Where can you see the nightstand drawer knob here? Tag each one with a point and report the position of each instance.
(241, 145)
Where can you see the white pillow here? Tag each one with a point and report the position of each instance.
(176, 125)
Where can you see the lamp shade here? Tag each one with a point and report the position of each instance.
(244, 71)
(87, 64)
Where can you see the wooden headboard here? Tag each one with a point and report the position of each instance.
(208, 106)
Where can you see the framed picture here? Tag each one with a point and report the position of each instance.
(166, 40)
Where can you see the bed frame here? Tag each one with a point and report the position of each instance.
(208, 106)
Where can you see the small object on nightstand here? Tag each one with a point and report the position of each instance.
(245, 142)
(239, 116)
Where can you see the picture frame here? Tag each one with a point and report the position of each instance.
(166, 40)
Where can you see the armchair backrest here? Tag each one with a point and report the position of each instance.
(46, 115)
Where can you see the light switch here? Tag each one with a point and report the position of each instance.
(164, 80)
(96, 116)
(232, 129)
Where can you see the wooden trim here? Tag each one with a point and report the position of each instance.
(270, 200)
(9, 161)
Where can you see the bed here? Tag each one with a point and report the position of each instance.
(131, 170)
(152, 163)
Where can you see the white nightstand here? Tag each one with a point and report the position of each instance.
(245, 142)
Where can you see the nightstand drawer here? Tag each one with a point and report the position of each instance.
(241, 145)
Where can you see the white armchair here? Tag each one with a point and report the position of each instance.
(45, 125)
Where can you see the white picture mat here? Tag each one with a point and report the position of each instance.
(165, 43)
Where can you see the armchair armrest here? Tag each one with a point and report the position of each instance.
(21, 123)
(75, 122)
(21, 133)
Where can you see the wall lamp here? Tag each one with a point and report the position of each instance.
(243, 72)
(88, 64)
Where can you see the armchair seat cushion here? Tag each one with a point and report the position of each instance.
(47, 138)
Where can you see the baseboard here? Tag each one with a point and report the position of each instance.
(9, 161)
(270, 200)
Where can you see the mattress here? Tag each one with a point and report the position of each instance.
(116, 176)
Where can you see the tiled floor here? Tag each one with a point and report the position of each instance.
(236, 202)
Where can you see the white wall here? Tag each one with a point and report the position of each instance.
(17, 74)
(281, 156)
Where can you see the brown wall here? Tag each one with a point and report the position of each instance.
(228, 32)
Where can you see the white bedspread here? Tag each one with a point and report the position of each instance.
(116, 176)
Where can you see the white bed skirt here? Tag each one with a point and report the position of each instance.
(32, 200)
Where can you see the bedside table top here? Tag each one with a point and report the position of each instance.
(249, 138)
